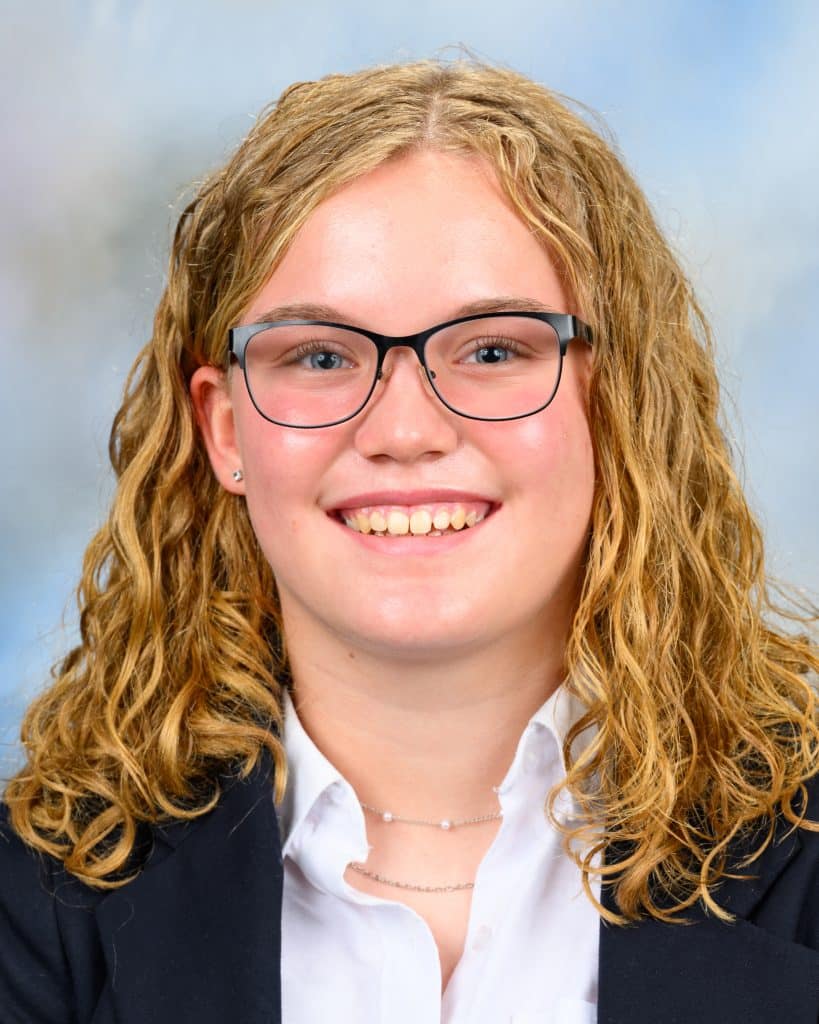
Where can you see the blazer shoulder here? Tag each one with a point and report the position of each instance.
(812, 786)
(61, 940)
(790, 907)
(35, 978)
(53, 965)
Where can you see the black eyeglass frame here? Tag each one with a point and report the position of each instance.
(566, 326)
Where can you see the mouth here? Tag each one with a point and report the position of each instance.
(421, 521)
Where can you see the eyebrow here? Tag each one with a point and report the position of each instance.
(314, 311)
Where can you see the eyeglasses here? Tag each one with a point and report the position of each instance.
(492, 366)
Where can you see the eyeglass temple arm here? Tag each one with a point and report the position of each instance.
(582, 330)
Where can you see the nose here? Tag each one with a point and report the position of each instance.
(404, 419)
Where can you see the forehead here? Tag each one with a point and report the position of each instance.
(405, 244)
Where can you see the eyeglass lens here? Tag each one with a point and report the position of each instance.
(492, 368)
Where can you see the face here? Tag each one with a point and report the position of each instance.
(399, 250)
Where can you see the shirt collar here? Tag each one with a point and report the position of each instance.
(558, 714)
(309, 774)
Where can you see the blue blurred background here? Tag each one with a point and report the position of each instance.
(112, 109)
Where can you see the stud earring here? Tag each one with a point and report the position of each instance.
(238, 475)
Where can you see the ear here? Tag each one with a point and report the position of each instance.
(213, 408)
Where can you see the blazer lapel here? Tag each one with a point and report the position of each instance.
(709, 971)
(196, 936)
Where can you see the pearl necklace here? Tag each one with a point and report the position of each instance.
(446, 824)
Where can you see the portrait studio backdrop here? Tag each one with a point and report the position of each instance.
(112, 109)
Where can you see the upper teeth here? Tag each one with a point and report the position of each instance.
(418, 521)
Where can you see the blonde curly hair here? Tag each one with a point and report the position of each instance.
(706, 722)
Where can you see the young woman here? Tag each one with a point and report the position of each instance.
(428, 665)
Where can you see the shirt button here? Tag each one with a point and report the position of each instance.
(483, 936)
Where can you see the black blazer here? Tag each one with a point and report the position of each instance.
(197, 935)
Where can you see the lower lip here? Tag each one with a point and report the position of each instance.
(411, 545)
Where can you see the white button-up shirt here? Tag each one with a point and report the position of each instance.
(352, 958)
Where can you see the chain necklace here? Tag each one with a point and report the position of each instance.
(456, 887)
(446, 824)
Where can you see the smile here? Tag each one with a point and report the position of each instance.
(429, 520)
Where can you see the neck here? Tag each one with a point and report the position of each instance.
(427, 737)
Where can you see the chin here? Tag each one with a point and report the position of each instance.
(417, 635)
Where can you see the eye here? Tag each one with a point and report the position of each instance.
(325, 360)
(500, 350)
(495, 354)
(317, 355)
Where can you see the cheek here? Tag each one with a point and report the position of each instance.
(282, 467)
(549, 463)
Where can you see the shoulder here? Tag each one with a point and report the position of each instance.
(58, 956)
(812, 806)
(789, 905)
(46, 933)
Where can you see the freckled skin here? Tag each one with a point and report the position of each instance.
(399, 250)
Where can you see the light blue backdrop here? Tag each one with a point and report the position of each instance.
(112, 109)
